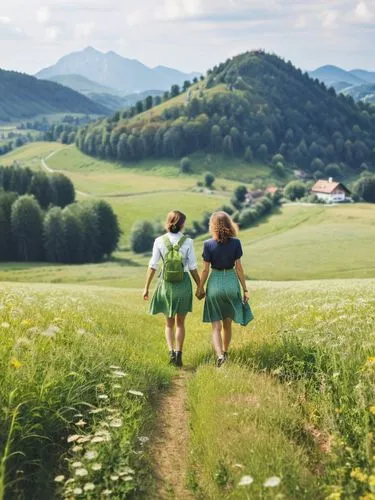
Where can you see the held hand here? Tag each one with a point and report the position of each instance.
(146, 294)
(200, 293)
(246, 297)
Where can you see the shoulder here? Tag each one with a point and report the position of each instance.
(236, 241)
(209, 243)
(159, 240)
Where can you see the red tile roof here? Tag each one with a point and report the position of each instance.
(328, 187)
(271, 190)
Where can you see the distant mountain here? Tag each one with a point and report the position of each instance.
(114, 71)
(357, 83)
(332, 74)
(81, 84)
(23, 96)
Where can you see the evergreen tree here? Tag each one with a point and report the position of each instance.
(27, 228)
(74, 236)
(228, 146)
(142, 237)
(64, 190)
(54, 236)
(42, 189)
(209, 179)
(109, 229)
(248, 157)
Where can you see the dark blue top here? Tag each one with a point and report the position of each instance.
(222, 255)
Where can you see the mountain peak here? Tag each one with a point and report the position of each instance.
(91, 50)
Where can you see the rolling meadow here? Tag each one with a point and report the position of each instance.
(84, 368)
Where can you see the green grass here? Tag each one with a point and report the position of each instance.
(31, 154)
(293, 403)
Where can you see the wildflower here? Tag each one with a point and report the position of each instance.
(15, 363)
(96, 466)
(116, 386)
(116, 422)
(76, 465)
(26, 322)
(89, 487)
(272, 482)
(59, 479)
(84, 439)
(127, 478)
(77, 491)
(358, 475)
(371, 481)
(103, 397)
(246, 481)
(5, 325)
(114, 477)
(143, 439)
(73, 438)
(91, 455)
(51, 331)
(127, 471)
(98, 439)
(372, 409)
(119, 374)
(81, 472)
(80, 423)
(81, 331)
(115, 367)
(106, 493)
(96, 410)
(238, 466)
(136, 393)
(77, 448)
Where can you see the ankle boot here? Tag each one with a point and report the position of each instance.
(179, 358)
(172, 357)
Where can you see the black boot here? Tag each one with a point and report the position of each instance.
(179, 359)
(172, 358)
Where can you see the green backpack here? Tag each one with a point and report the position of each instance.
(173, 268)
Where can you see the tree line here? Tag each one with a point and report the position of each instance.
(265, 107)
(74, 233)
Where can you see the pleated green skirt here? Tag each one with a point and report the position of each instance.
(224, 299)
(172, 298)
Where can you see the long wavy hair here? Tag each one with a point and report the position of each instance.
(222, 227)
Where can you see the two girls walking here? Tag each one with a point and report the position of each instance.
(173, 297)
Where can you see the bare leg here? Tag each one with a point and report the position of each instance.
(169, 333)
(227, 336)
(216, 337)
(180, 332)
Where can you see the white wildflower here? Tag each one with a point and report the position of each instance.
(115, 367)
(77, 491)
(119, 374)
(59, 479)
(80, 423)
(126, 471)
(143, 439)
(89, 487)
(116, 422)
(97, 410)
(246, 481)
(103, 396)
(127, 478)
(114, 477)
(135, 393)
(73, 438)
(84, 439)
(106, 493)
(116, 386)
(91, 455)
(76, 465)
(272, 482)
(98, 439)
(81, 331)
(5, 325)
(81, 472)
(77, 449)
(96, 466)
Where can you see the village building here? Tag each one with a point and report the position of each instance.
(331, 191)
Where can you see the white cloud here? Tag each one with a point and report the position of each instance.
(84, 30)
(176, 9)
(329, 18)
(43, 15)
(4, 20)
(52, 32)
(362, 12)
(301, 22)
(134, 18)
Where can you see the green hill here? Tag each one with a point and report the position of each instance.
(23, 96)
(254, 105)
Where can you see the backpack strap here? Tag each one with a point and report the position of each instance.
(167, 242)
(181, 241)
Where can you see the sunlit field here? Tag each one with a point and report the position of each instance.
(82, 368)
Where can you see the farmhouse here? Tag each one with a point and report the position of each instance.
(330, 191)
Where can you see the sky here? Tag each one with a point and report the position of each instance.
(190, 35)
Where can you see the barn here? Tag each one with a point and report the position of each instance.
(331, 191)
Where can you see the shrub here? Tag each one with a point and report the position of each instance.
(142, 237)
(240, 193)
(295, 190)
(209, 179)
(185, 165)
(247, 217)
(365, 188)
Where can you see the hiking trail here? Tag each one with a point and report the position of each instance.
(170, 442)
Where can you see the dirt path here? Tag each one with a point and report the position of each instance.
(170, 442)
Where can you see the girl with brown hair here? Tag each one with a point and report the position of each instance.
(224, 301)
(173, 299)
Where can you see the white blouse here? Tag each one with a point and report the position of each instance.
(187, 251)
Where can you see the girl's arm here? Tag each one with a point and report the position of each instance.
(195, 275)
(241, 276)
(204, 275)
(150, 275)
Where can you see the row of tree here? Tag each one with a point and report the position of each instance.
(79, 233)
(55, 189)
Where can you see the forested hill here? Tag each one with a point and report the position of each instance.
(254, 105)
(24, 96)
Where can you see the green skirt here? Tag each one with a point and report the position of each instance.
(173, 298)
(224, 299)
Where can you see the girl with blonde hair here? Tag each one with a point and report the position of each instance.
(224, 301)
(173, 297)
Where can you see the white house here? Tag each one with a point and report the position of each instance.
(330, 191)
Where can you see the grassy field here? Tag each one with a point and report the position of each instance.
(299, 243)
(290, 416)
